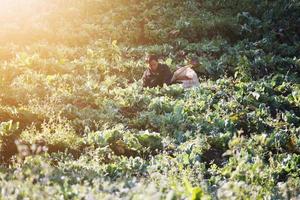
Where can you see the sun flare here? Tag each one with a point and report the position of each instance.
(149, 99)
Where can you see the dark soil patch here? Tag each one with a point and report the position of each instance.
(214, 156)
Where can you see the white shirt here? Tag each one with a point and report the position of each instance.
(187, 76)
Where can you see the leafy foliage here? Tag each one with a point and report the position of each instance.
(75, 122)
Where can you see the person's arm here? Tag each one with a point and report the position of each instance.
(149, 80)
(146, 79)
(167, 75)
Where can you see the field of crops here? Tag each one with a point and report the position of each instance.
(76, 123)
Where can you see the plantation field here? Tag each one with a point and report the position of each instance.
(76, 123)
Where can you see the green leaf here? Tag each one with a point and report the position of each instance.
(169, 61)
(150, 140)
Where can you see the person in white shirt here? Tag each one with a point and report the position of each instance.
(186, 75)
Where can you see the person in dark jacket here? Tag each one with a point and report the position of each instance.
(157, 74)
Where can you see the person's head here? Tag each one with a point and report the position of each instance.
(153, 62)
(193, 61)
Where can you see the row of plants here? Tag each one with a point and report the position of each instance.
(75, 122)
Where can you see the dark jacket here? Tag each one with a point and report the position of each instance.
(158, 78)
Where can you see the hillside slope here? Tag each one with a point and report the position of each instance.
(75, 122)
